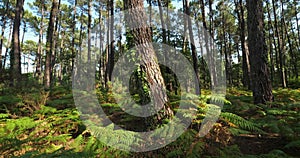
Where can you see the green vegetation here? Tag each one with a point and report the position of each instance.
(42, 124)
(51, 51)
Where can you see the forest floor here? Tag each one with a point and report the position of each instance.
(35, 123)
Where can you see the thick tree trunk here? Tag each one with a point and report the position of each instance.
(142, 40)
(15, 57)
(261, 85)
(49, 44)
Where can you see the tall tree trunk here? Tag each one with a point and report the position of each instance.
(297, 20)
(56, 35)
(112, 46)
(271, 46)
(101, 58)
(294, 56)
(261, 84)
(206, 36)
(89, 29)
(193, 48)
(164, 34)
(40, 45)
(15, 57)
(73, 34)
(4, 20)
(80, 35)
(8, 44)
(273, 37)
(142, 39)
(211, 59)
(107, 60)
(245, 51)
(184, 42)
(49, 45)
(280, 53)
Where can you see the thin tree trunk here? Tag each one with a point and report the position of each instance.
(206, 36)
(211, 59)
(89, 29)
(164, 34)
(271, 47)
(55, 45)
(4, 21)
(245, 52)
(40, 45)
(274, 40)
(112, 46)
(294, 58)
(8, 44)
(101, 59)
(49, 44)
(193, 48)
(297, 20)
(184, 44)
(107, 60)
(280, 53)
(73, 34)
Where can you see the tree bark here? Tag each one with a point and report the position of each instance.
(4, 21)
(15, 57)
(49, 44)
(142, 40)
(112, 46)
(261, 85)
(40, 45)
(74, 35)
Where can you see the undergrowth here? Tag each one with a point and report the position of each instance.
(38, 123)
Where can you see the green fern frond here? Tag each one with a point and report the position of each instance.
(293, 144)
(240, 122)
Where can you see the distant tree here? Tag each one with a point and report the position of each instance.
(240, 9)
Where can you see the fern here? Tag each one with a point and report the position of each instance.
(241, 122)
(293, 144)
